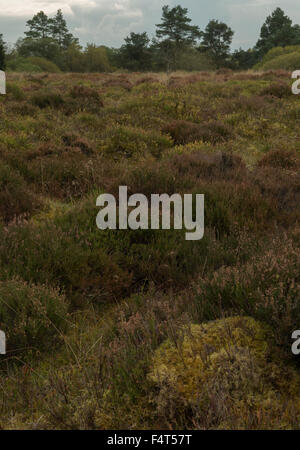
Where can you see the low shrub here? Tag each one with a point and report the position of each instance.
(131, 142)
(48, 100)
(216, 165)
(32, 316)
(267, 288)
(183, 132)
(121, 82)
(77, 142)
(224, 71)
(147, 79)
(14, 91)
(44, 64)
(16, 199)
(280, 159)
(278, 90)
(83, 98)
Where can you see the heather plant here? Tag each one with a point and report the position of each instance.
(31, 315)
(280, 158)
(84, 98)
(128, 296)
(266, 287)
(132, 142)
(184, 132)
(15, 196)
(47, 100)
(14, 91)
(279, 90)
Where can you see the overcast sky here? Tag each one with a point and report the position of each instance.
(107, 22)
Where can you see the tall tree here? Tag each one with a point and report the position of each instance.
(175, 32)
(95, 59)
(45, 47)
(2, 53)
(135, 53)
(175, 26)
(216, 41)
(277, 31)
(59, 31)
(39, 26)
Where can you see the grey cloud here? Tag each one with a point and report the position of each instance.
(108, 22)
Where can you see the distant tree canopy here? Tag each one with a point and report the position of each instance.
(135, 54)
(2, 53)
(46, 37)
(178, 45)
(243, 59)
(95, 59)
(216, 41)
(277, 31)
(42, 27)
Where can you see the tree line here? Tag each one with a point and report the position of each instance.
(178, 44)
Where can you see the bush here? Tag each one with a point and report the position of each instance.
(31, 315)
(286, 58)
(183, 132)
(280, 158)
(121, 82)
(133, 142)
(267, 288)
(22, 65)
(48, 100)
(15, 196)
(76, 142)
(285, 62)
(224, 375)
(279, 90)
(192, 59)
(208, 165)
(44, 64)
(83, 98)
(14, 91)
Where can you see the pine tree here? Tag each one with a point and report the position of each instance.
(176, 27)
(59, 31)
(135, 53)
(216, 40)
(39, 26)
(277, 31)
(175, 32)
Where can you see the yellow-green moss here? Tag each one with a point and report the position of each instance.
(226, 374)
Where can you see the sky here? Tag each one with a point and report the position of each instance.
(108, 22)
